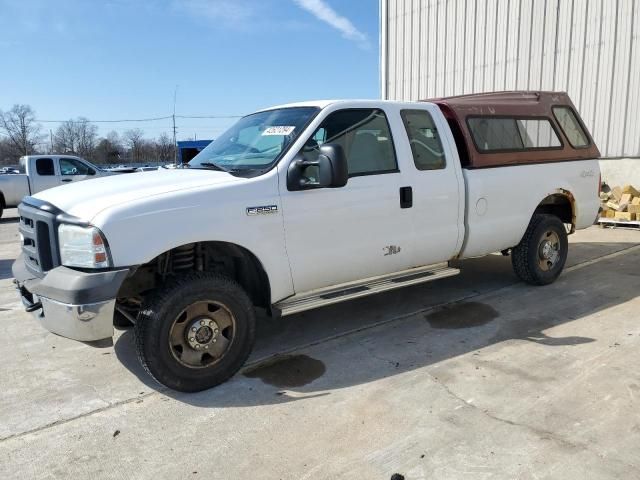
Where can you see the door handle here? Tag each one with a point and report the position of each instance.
(66, 179)
(406, 197)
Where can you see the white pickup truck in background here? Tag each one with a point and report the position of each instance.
(40, 172)
(301, 206)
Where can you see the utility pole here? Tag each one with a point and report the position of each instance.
(175, 145)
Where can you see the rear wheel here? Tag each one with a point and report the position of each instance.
(541, 255)
(196, 332)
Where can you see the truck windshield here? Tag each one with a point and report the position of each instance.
(256, 141)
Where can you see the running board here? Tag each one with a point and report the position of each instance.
(370, 286)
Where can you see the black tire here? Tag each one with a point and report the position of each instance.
(161, 316)
(529, 257)
(120, 322)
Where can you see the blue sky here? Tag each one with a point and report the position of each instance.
(114, 59)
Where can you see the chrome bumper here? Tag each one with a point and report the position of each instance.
(90, 322)
(71, 303)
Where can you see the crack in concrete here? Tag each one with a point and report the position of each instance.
(539, 432)
(78, 417)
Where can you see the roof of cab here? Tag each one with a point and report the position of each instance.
(326, 103)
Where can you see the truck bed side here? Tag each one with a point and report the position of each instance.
(501, 201)
(13, 187)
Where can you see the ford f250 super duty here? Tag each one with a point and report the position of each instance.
(39, 172)
(300, 206)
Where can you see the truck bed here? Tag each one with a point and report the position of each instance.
(501, 201)
(13, 187)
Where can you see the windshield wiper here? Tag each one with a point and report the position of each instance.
(213, 166)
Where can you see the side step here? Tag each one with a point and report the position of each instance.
(349, 291)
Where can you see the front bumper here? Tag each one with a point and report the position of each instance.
(73, 304)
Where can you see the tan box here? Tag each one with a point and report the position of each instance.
(616, 193)
(610, 214)
(625, 216)
(634, 209)
(635, 201)
(631, 190)
(626, 198)
(613, 205)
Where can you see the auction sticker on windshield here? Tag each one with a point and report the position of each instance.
(278, 130)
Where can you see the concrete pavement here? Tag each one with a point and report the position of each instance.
(476, 376)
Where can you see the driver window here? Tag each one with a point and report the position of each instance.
(365, 137)
(69, 166)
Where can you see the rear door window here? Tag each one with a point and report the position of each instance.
(571, 127)
(424, 139)
(44, 167)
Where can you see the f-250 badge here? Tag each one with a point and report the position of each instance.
(391, 250)
(262, 210)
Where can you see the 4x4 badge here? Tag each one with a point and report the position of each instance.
(262, 210)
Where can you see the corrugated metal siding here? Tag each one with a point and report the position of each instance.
(589, 48)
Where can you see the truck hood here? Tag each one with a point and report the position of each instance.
(87, 198)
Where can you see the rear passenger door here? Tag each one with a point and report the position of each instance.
(433, 173)
(338, 235)
(42, 174)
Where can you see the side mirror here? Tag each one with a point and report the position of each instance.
(330, 170)
(91, 171)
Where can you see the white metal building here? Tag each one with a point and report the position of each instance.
(588, 48)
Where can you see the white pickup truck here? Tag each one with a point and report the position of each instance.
(40, 172)
(301, 206)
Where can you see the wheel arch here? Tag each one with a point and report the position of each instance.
(561, 204)
(229, 259)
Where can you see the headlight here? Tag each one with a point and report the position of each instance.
(82, 247)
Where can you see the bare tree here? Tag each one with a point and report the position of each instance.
(87, 137)
(164, 148)
(21, 128)
(7, 151)
(109, 149)
(134, 139)
(76, 136)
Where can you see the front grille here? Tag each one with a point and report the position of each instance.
(39, 245)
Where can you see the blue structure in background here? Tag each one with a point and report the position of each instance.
(190, 148)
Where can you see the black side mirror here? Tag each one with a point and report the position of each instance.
(330, 170)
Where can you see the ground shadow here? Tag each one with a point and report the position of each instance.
(408, 330)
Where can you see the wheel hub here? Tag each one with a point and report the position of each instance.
(202, 332)
(548, 250)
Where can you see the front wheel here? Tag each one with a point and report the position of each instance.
(196, 332)
(541, 254)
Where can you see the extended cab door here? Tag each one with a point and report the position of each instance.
(431, 170)
(73, 170)
(42, 174)
(338, 235)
